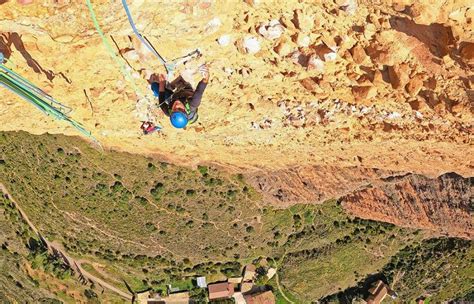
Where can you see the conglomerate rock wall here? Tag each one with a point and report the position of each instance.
(314, 99)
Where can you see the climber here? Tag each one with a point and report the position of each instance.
(178, 100)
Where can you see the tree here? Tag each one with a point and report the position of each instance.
(91, 296)
(198, 295)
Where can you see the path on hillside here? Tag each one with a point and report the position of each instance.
(277, 278)
(55, 247)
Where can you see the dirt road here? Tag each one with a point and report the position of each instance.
(54, 247)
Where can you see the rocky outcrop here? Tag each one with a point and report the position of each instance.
(311, 184)
(443, 205)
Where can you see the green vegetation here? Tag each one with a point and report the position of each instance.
(345, 258)
(442, 267)
(36, 251)
(199, 295)
(26, 265)
(151, 224)
(436, 269)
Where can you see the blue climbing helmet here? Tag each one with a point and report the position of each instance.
(179, 119)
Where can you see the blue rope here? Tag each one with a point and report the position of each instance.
(139, 36)
(169, 66)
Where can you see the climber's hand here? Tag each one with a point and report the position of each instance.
(153, 78)
(204, 69)
(162, 78)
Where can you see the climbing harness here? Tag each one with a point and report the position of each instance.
(37, 97)
(170, 66)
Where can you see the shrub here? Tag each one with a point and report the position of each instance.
(203, 169)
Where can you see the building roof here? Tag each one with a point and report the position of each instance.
(201, 282)
(220, 290)
(246, 286)
(378, 292)
(143, 297)
(178, 298)
(250, 267)
(271, 272)
(249, 272)
(235, 280)
(239, 298)
(266, 297)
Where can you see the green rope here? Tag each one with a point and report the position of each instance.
(30, 86)
(23, 89)
(114, 56)
(112, 53)
(22, 92)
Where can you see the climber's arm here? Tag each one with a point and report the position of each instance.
(196, 100)
(162, 85)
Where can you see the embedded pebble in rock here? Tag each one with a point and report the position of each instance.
(224, 40)
(252, 45)
(364, 92)
(358, 54)
(303, 40)
(303, 21)
(315, 63)
(253, 2)
(399, 76)
(272, 30)
(394, 115)
(284, 48)
(415, 85)
(330, 56)
(457, 15)
(229, 71)
(349, 6)
(467, 52)
(299, 58)
(213, 25)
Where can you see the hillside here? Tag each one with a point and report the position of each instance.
(128, 217)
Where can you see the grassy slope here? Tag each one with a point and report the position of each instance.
(365, 247)
(437, 269)
(442, 268)
(27, 273)
(15, 284)
(152, 223)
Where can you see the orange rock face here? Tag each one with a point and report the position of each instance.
(467, 52)
(441, 205)
(381, 84)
